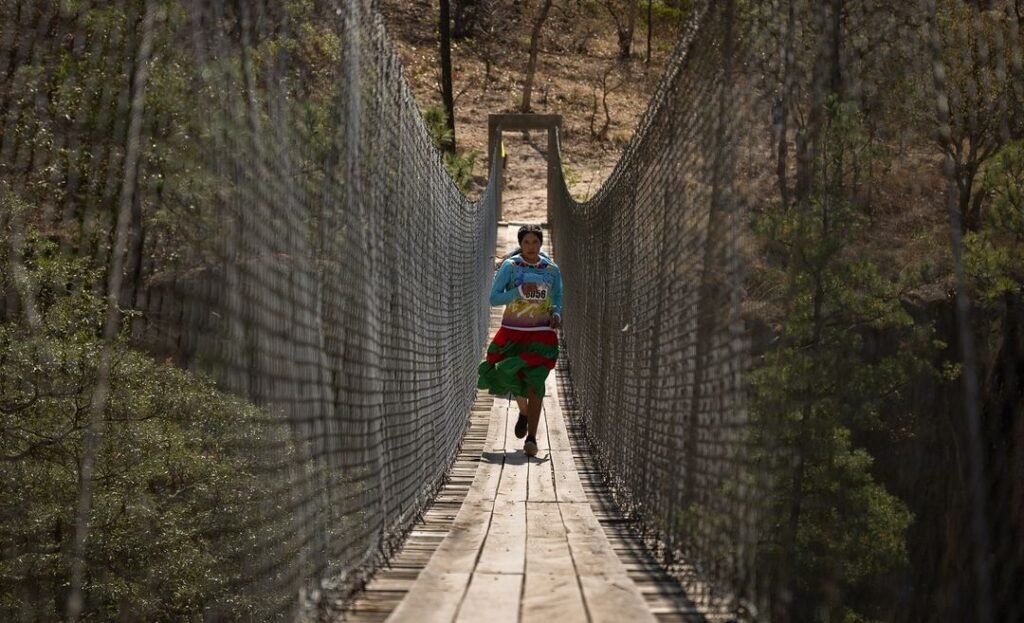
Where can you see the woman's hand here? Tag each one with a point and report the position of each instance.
(556, 321)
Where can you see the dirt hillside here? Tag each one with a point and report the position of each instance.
(578, 68)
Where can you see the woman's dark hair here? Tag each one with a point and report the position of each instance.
(530, 229)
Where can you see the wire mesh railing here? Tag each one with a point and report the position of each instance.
(763, 348)
(296, 310)
(657, 366)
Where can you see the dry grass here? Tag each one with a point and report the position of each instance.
(578, 46)
(908, 225)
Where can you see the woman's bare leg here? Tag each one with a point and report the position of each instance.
(522, 420)
(534, 404)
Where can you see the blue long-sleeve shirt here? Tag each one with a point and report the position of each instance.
(533, 313)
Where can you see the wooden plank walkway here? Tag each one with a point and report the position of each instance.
(519, 540)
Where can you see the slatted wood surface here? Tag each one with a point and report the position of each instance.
(515, 538)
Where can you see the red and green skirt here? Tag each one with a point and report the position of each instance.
(517, 361)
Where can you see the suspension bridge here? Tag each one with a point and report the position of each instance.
(243, 304)
(518, 538)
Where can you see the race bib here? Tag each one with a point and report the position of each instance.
(539, 294)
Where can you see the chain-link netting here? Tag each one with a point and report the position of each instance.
(303, 291)
(654, 330)
(762, 327)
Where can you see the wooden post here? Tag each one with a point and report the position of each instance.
(554, 167)
(493, 145)
(498, 123)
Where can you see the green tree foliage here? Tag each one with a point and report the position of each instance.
(68, 106)
(198, 494)
(832, 529)
(181, 504)
(986, 107)
(447, 94)
(436, 120)
(994, 255)
(458, 163)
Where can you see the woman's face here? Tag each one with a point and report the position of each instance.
(530, 245)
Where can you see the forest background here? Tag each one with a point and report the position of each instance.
(853, 297)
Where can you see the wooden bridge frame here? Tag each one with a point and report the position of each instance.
(498, 123)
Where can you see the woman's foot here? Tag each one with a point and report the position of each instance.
(530, 447)
(521, 426)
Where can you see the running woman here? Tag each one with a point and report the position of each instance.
(520, 400)
(525, 348)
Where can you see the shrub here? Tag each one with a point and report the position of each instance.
(179, 503)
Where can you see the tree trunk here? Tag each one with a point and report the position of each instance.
(809, 138)
(531, 66)
(465, 18)
(625, 43)
(134, 259)
(836, 44)
(631, 27)
(965, 187)
(650, 26)
(782, 120)
(446, 72)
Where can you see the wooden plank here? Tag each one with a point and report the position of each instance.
(504, 549)
(544, 520)
(523, 121)
(499, 413)
(511, 443)
(435, 598)
(547, 548)
(593, 556)
(485, 483)
(471, 514)
(579, 518)
(542, 430)
(503, 552)
(496, 423)
(508, 516)
(390, 584)
(489, 468)
(488, 477)
(558, 436)
(541, 484)
(590, 547)
(567, 481)
(492, 597)
(540, 480)
(552, 591)
(513, 478)
(552, 597)
(613, 599)
(460, 549)
(549, 556)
